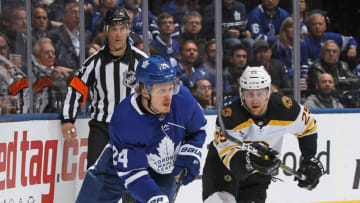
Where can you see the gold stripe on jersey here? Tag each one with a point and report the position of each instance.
(311, 127)
(229, 156)
(226, 149)
(280, 123)
(245, 124)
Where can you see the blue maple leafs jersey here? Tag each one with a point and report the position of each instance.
(263, 26)
(143, 140)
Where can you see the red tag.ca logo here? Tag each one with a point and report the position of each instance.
(38, 162)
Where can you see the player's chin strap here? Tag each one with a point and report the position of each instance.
(254, 151)
(154, 110)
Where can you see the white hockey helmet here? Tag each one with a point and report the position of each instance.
(254, 78)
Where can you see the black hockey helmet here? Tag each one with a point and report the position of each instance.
(116, 16)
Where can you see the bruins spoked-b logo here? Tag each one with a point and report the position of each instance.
(129, 79)
(287, 102)
(226, 112)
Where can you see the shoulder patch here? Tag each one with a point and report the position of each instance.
(287, 102)
(226, 112)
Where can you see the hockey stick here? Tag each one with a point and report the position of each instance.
(178, 184)
(254, 151)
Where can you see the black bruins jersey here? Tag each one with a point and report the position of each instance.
(283, 116)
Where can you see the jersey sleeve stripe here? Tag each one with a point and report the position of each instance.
(135, 177)
(244, 124)
(280, 123)
(222, 152)
(311, 130)
(77, 84)
(229, 156)
(309, 126)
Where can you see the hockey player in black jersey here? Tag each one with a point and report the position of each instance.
(260, 119)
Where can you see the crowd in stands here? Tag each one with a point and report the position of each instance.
(182, 32)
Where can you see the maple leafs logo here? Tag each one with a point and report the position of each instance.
(163, 162)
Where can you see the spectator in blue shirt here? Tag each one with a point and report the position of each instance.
(318, 36)
(169, 48)
(265, 20)
(185, 69)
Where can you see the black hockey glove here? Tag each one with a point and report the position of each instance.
(267, 163)
(313, 169)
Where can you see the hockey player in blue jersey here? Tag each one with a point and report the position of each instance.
(155, 134)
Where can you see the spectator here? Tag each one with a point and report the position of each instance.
(238, 62)
(137, 21)
(50, 81)
(190, 30)
(234, 23)
(323, 98)
(15, 30)
(101, 9)
(56, 9)
(41, 24)
(282, 48)
(304, 19)
(265, 20)
(66, 38)
(276, 68)
(329, 62)
(169, 48)
(202, 92)
(318, 36)
(107, 77)
(178, 9)
(209, 66)
(185, 69)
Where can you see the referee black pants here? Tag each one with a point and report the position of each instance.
(98, 138)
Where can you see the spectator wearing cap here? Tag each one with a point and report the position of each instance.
(169, 48)
(276, 68)
(318, 36)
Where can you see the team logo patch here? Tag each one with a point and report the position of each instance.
(287, 102)
(129, 79)
(226, 112)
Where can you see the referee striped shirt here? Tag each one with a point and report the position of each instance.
(106, 80)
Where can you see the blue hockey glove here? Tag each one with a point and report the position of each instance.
(266, 163)
(158, 199)
(313, 169)
(188, 159)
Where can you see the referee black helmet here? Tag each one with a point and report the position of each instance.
(116, 16)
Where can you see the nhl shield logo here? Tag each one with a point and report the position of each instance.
(129, 79)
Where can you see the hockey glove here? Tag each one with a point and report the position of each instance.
(158, 199)
(313, 169)
(266, 163)
(188, 159)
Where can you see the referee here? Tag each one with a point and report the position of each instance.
(107, 76)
